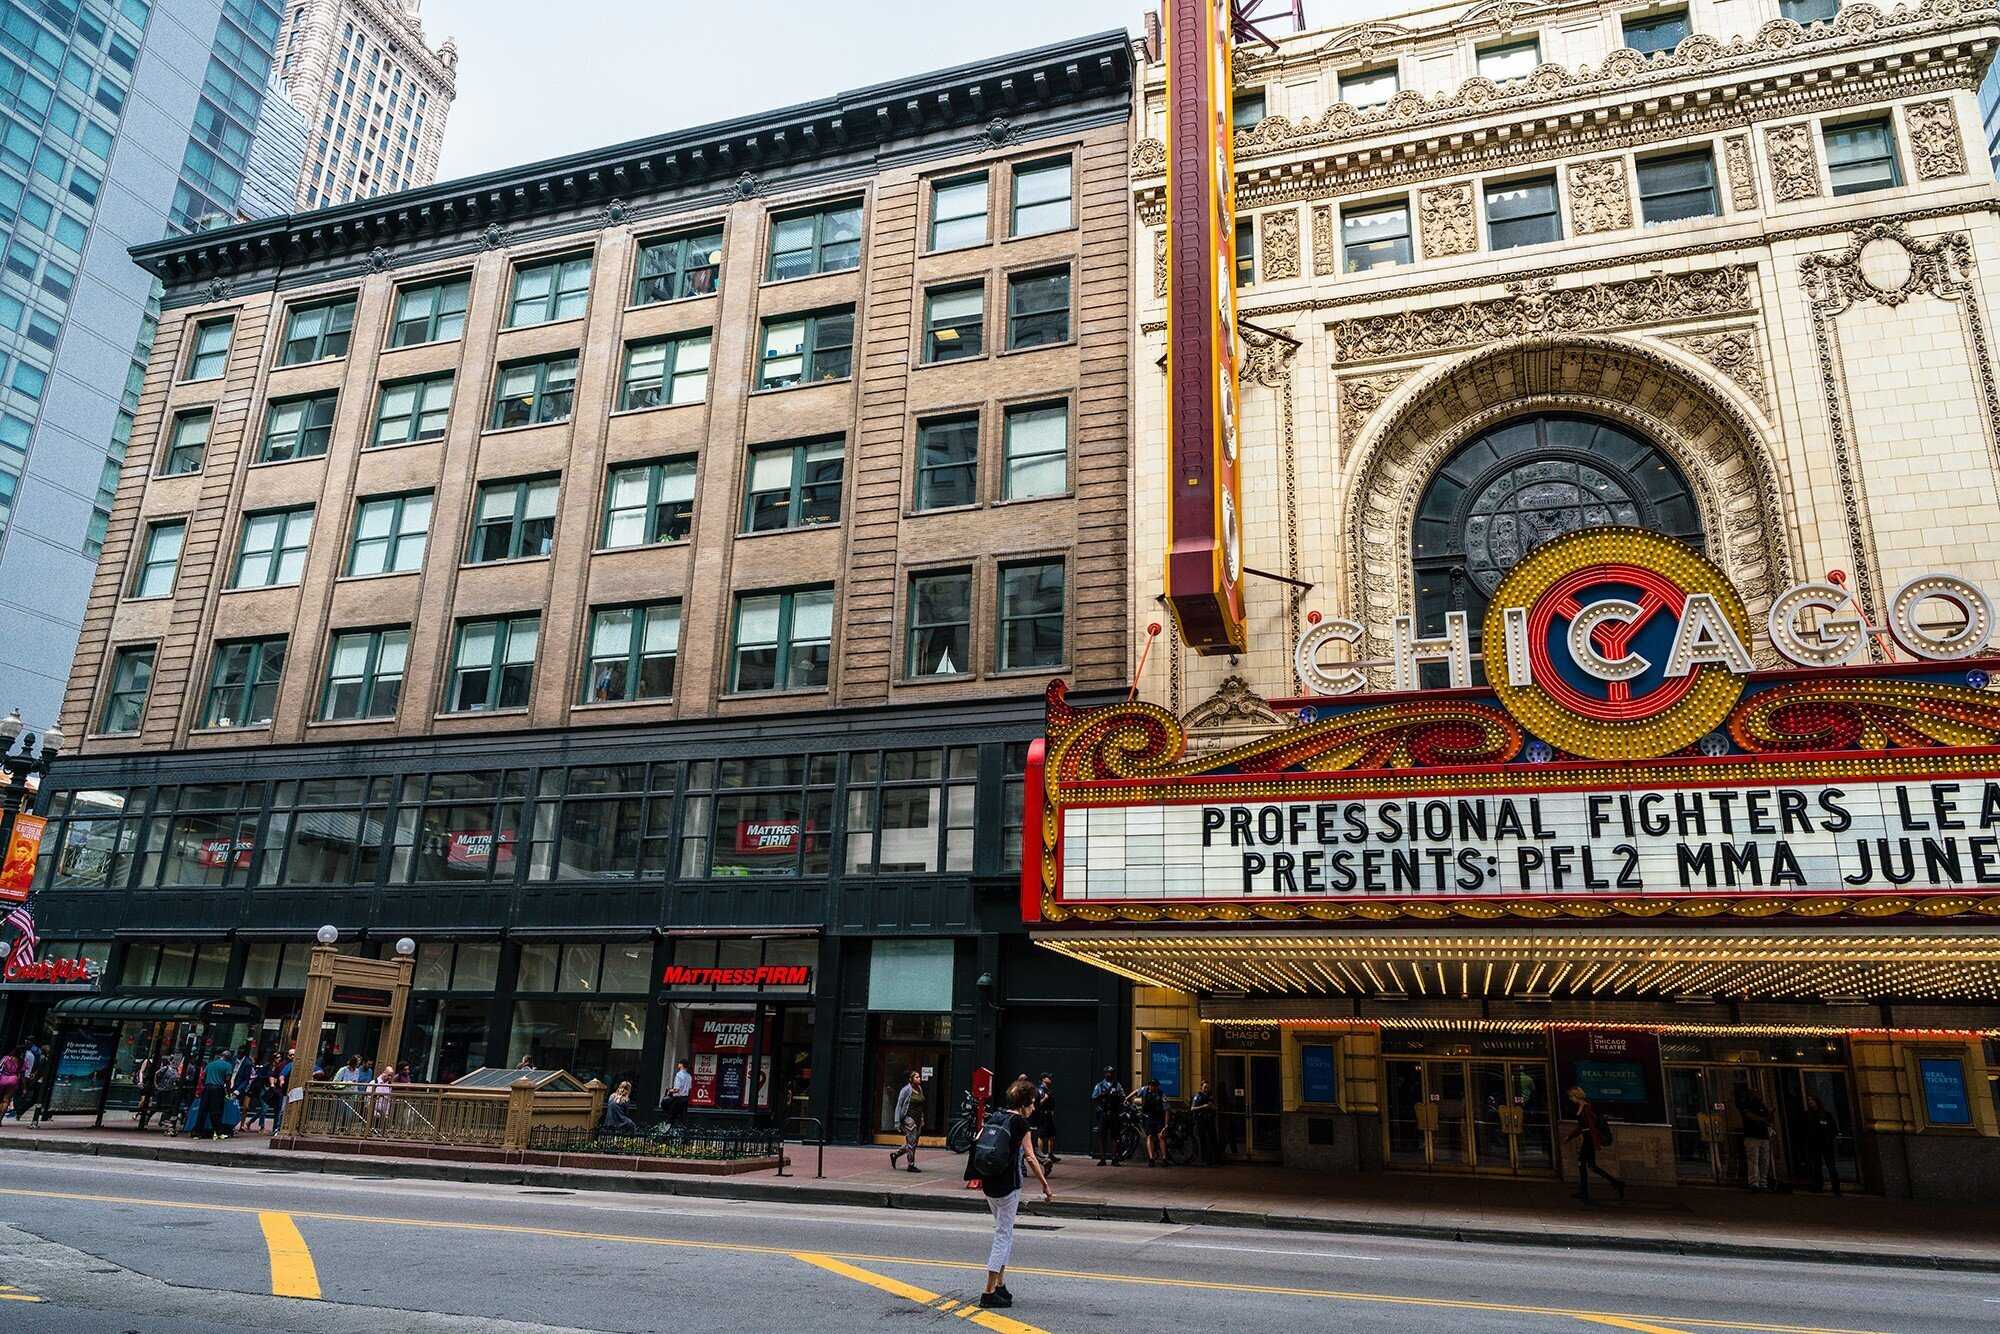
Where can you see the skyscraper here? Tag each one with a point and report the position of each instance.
(374, 95)
(120, 121)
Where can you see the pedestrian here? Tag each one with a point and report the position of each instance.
(679, 1092)
(142, 1079)
(31, 1072)
(1107, 1097)
(348, 1105)
(999, 1153)
(257, 1097)
(215, 1079)
(1756, 1120)
(1208, 1147)
(10, 1080)
(1043, 1122)
(909, 1118)
(1152, 1105)
(1589, 1136)
(239, 1081)
(618, 1111)
(1822, 1136)
(172, 1085)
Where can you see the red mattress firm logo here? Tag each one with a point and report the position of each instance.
(771, 836)
(764, 975)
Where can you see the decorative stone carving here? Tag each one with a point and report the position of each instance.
(1149, 158)
(1934, 140)
(1794, 165)
(1742, 173)
(1537, 306)
(1599, 199)
(747, 185)
(1233, 702)
(1278, 244)
(1322, 241)
(1160, 264)
(378, 259)
(614, 213)
(1356, 399)
(1267, 359)
(1444, 220)
(491, 238)
(218, 289)
(1734, 353)
(998, 132)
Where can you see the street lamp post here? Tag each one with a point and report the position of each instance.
(33, 762)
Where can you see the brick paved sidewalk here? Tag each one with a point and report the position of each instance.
(1694, 1220)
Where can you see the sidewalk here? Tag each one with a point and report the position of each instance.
(1689, 1221)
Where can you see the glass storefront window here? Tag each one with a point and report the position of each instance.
(202, 834)
(175, 965)
(327, 831)
(911, 810)
(93, 848)
(768, 816)
(590, 1039)
(581, 833)
(457, 827)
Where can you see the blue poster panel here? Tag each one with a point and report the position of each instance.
(1163, 1062)
(1946, 1102)
(1316, 1073)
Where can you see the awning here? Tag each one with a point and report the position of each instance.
(208, 1009)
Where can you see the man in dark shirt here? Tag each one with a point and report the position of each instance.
(1153, 1121)
(1106, 1097)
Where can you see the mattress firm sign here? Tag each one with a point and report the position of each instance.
(1889, 837)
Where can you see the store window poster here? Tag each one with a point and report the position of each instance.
(1946, 1102)
(1316, 1073)
(1163, 1062)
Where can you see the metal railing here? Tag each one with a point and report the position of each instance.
(410, 1113)
(661, 1141)
(818, 1125)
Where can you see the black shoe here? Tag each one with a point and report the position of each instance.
(998, 1297)
(894, 1154)
(1004, 1295)
(911, 1168)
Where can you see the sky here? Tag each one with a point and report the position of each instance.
(540, 78)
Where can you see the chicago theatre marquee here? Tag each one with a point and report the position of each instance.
(1590, 679)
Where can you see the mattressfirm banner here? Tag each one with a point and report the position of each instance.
(1887, 837)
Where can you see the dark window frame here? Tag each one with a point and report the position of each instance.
(915, 628)
(1369, 250)
(1245, 240)
(785, 645)
(551, 401)
(811, 348)
(1522, 225)
(310, 438)
(371, 678)
(516, 525)
(327, 343)
(1708, 197)
(432, 322)
(1648, 27)
(985, 213)
(173, 460)
(198, 355)
(1006, 618)
(421, 387)
(260, 654)
(147, 562)
(1021, 411)
(506, 629)
(1057, 315)
(797, 513)
(656, 533)
(635, 657)
(923, 498)
(1884, 123)
(823, 217)
(958, 338)
(665, 388)
(875, 779)
(115, 694)
(677, 280)
(272, 557)
(393, 543)
(1066, 163)
(559, 267)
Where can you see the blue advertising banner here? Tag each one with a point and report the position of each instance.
(1946, 1101)
(82, 1070)
(1163, 1062)
(1316, 1073)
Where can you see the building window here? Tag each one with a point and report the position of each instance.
(807, 348)
(940, 624)
(1861, 156)
(947, 461)
(766, 816)
(954, 322)
(958, 212)
(1655, 32)
(243, 687)
(458, 827)
(390, 533)
(783, 641)
(1031, 615)
(1246, 109)
(664, 372)
(632, 653)
(413, 410)
(1246, 252)
(1041, 197)
(1368, 88)
(364, 674)
(1512, 60)
(188, 443)
(678, 266)
(599, 822)
(432, 313)
(208, 355)
(1522, 213)
(533, 393)
(273, 549)
(297, 428)
(825, 241)
(1681, 185)
(794, 485)
(1035, 451)
(1808, 11)
(161, 560)
(649, 502)
(911, 810)
(1373, 237)
(125, 701)
(492, 664)
(1038, 309)
(323, 831)
(557, 290)
(513, 519)
(317, 333)
(1013, 805)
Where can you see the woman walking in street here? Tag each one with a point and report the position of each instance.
(910, 1118)
(996, 1167)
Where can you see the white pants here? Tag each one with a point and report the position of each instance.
(1004, 1207)
(1757, 1162)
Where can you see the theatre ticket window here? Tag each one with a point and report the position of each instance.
(202, 834)
(764, 816)
(911, 810)
(458, 827)
(327, 831)
(603, 822)
(97, 838)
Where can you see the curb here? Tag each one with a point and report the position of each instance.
(875, 1198)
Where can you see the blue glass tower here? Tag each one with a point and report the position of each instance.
(120, 121)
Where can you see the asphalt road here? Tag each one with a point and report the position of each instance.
(90, 1246)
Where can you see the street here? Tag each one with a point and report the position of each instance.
(103, 1245)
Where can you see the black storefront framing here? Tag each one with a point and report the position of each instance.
(498, 849)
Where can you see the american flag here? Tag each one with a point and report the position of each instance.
(24, 945)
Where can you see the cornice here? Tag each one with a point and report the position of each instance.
(988, 100)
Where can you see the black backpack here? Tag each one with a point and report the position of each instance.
(993, 1149)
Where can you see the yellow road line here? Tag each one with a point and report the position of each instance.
(10, 1293)
(747, 1248)
(1618, 1322)
(292, 1271)
(895, 1287)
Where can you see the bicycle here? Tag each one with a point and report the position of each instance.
(964, 1128)
(1179, 1146)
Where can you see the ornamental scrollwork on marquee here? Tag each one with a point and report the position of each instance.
(1934, 140)
(1794, 164)
(1278, 240)
(1865, 715)
(1619, 72)
(1599, 198)
(1444, 220)
(1538, 306)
